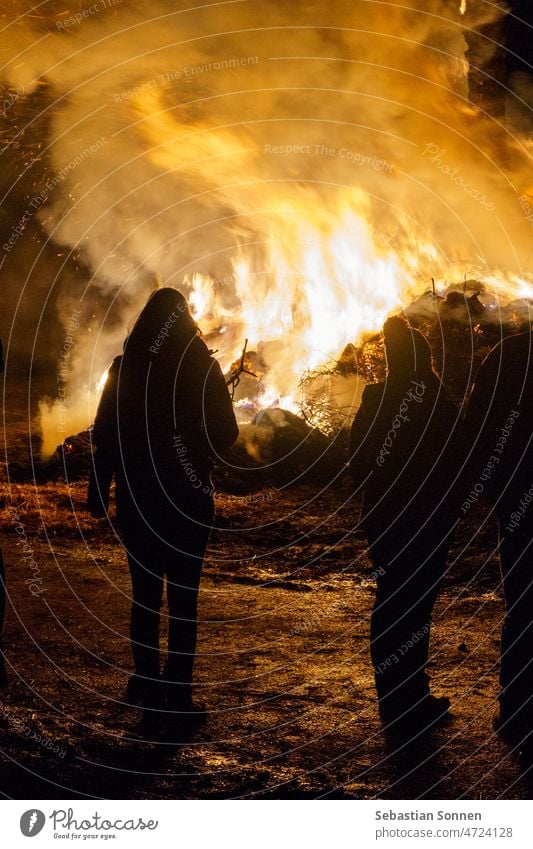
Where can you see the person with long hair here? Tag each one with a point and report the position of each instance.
(164, 416)
(402, 450)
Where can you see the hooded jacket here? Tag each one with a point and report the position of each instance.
(158, 431)
(403, 443)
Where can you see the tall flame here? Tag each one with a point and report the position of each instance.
(299, 169)
(319, 276)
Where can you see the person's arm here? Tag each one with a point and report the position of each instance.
(104, 438)
(364, 447)
(481, 422)
(480, 402)
(100, 478)
(219, 418)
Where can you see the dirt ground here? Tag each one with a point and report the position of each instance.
(283, 663)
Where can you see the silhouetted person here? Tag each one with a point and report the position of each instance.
(401, 454)
(499, 425)
(3, 677)
(164, 414)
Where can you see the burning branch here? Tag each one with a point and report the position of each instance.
(240, 368)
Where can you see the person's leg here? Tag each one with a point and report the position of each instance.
(399, 646)
(3, 677)
(183, 580)
(387, 627)
(407, 587)
(384, 642)
(146, 570)
(182, 590)
(516, 671)
(421, 591)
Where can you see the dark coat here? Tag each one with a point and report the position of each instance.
(158, 433)
(403, 445)
(499, 423)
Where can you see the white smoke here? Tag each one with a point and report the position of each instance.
(178, 133)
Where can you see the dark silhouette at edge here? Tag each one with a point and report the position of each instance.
(499, 429)
(3, 592)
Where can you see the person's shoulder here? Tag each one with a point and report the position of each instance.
(206, 356)
(114, 369)
(520, 344)
(510, 359)
(200, 360)
(519, 347)
(373, 394)
(519, 340)
(373, 390)
(197, 348)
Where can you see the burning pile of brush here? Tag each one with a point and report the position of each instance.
(281, 447)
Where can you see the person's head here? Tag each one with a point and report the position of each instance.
(164, 323)
(406, 349)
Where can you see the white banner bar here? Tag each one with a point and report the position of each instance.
(262, 825)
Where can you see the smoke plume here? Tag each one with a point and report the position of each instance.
(247, 151)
